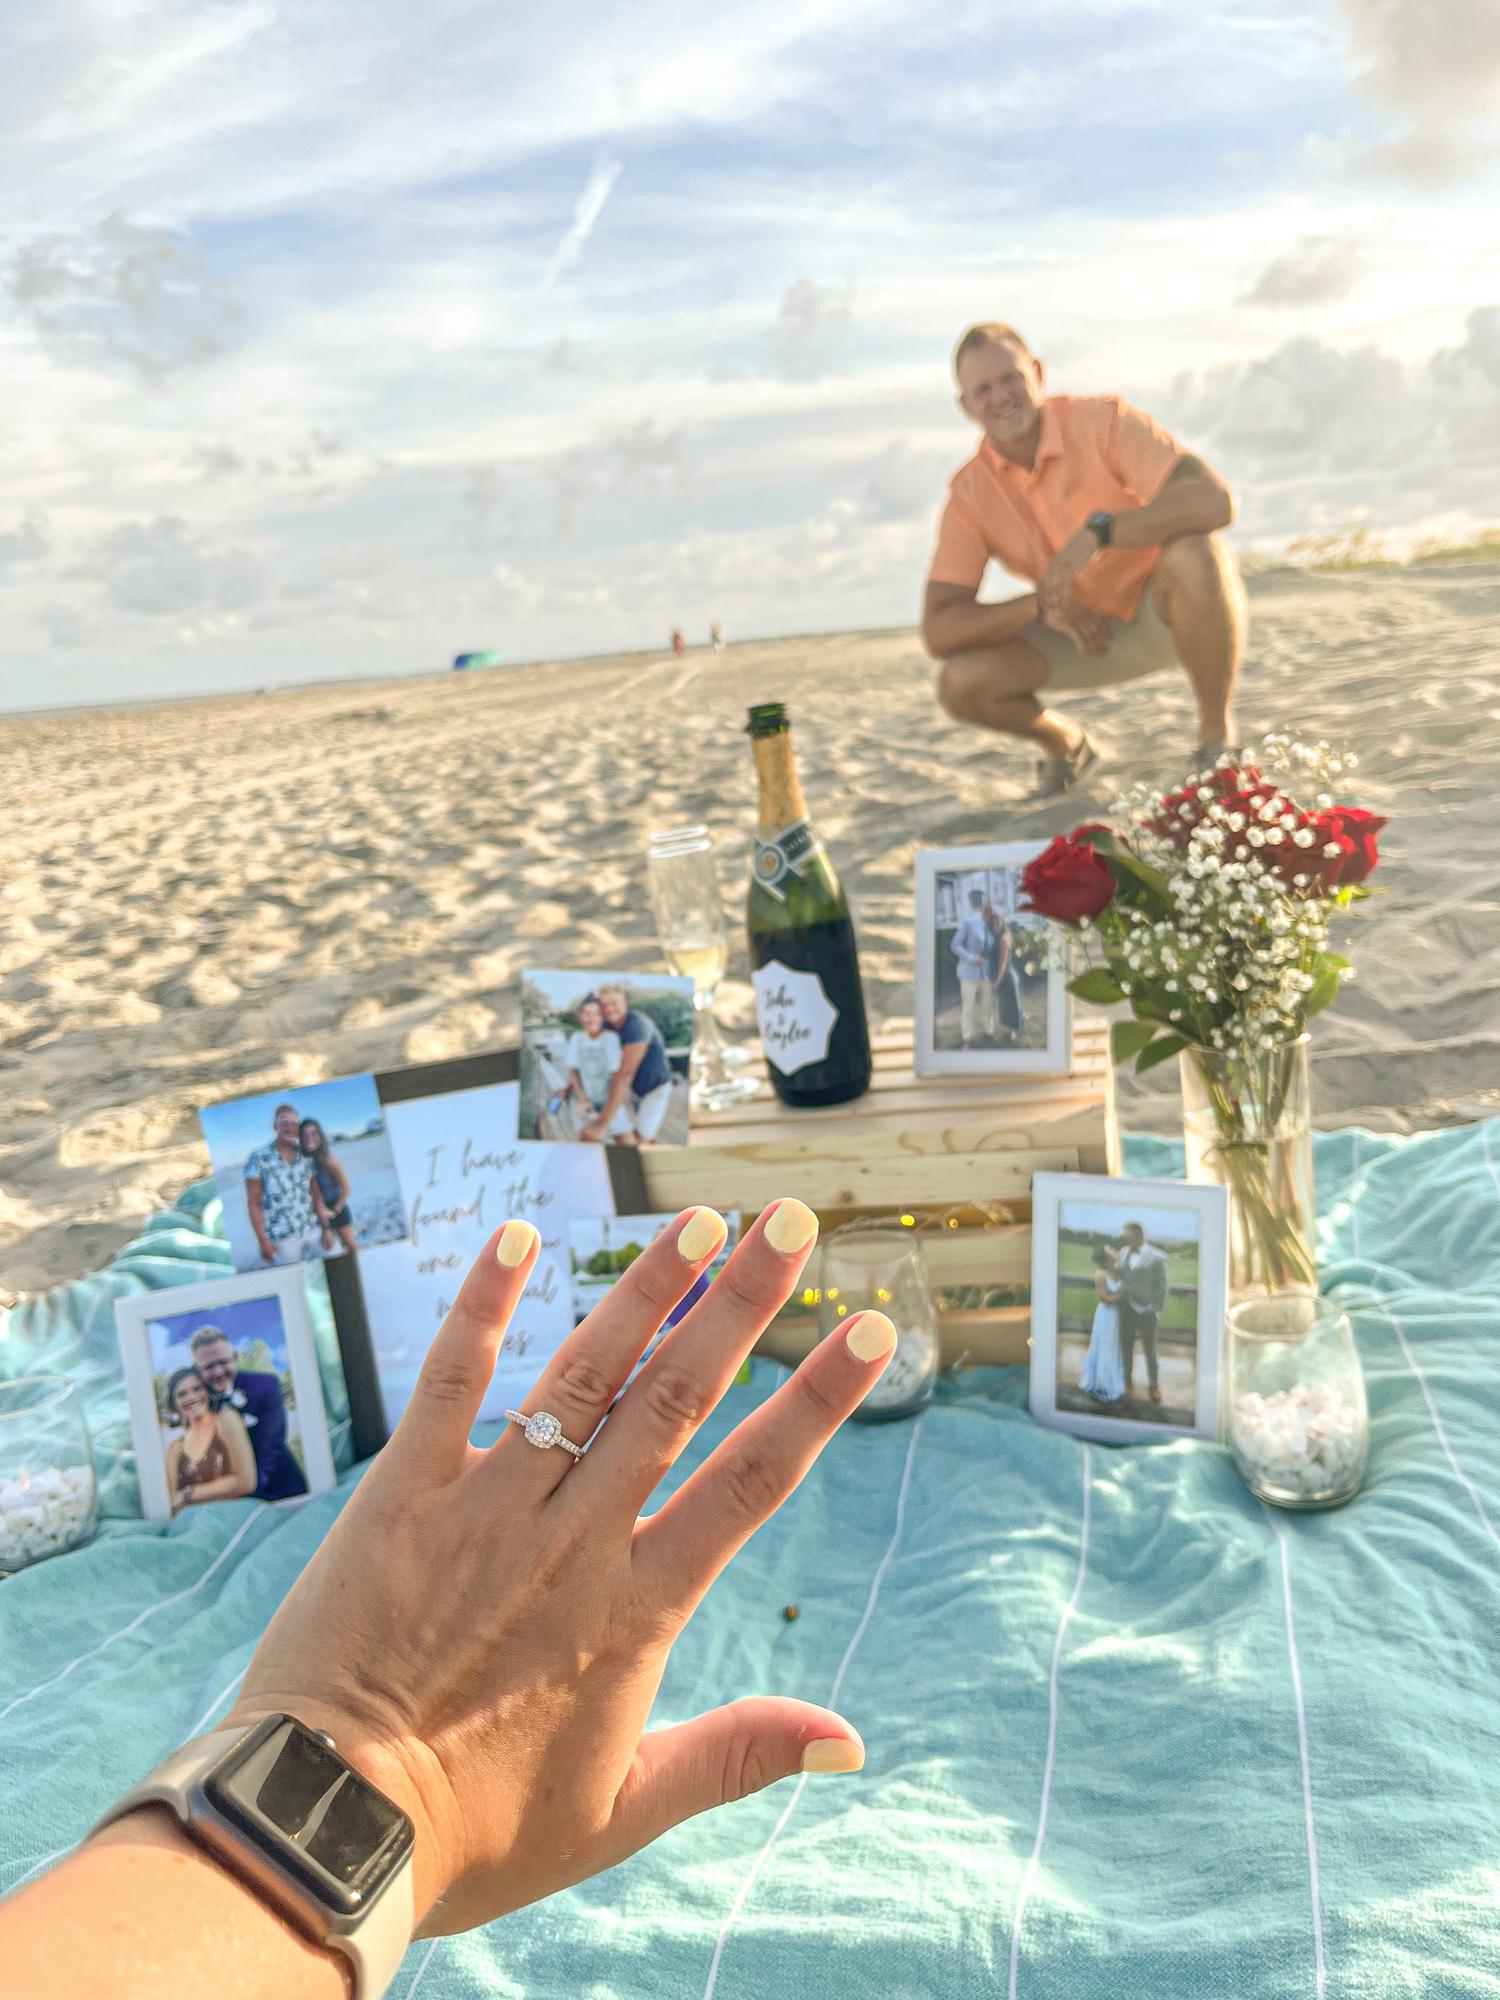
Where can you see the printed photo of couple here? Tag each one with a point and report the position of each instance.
(604, 1058)
(224, 1392)
(304, 1173)
(1127, 1317)
(989, 997)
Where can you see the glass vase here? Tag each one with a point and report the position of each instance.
(1246, 1121)
(1297, 1421)
(865, 1269)
(49, 1496)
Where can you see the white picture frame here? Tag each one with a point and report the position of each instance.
(945, 876)
(140, 1321)
(1178, 1218)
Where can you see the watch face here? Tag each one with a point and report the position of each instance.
(317, 1818)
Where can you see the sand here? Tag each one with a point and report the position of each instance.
(219, 897)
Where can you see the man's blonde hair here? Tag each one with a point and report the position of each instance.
(986, 333)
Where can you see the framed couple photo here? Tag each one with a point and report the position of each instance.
(225, 1398)
(991, 988)
(1129, 1288)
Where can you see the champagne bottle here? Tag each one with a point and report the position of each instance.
(804, 964)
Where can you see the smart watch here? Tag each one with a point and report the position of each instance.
(1102, 525)
(281, 1809)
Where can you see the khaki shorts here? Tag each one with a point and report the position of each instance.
(1143, 646)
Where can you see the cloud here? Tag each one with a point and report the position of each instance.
(633, 464)
(163, 568)
(1312, 434)
(1435, 64)
(1317, 270)
(587, 210)
(121, 292)
(808, 316)
(563, 357)
(29, 543)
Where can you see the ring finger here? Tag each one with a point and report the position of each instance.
(585, 1375)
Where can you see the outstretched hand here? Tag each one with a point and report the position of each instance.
(483, 1632)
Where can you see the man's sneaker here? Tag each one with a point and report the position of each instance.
(1056, 776)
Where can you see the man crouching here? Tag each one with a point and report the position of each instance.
(1117, 527)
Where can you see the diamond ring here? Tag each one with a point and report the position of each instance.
(544, 1430)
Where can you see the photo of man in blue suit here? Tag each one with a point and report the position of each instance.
(259, 1400)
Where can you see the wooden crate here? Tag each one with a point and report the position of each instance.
(916, 1146)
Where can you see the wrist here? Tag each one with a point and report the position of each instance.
(156, 1866)
(408, 1774)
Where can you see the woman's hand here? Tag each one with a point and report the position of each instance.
(483, 1632)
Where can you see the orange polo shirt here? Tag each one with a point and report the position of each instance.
(1092, 452)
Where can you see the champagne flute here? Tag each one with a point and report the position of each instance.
(684, 887)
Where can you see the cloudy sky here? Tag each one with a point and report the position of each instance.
(339, 339)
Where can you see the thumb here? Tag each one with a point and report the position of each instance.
(722, 1756)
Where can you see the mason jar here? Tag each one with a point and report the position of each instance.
(1297, 1423)
(883, 1270)
(49, 1496)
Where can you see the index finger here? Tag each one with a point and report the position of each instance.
(461, 1362)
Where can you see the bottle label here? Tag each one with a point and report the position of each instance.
(785, 853)
(796, 1016)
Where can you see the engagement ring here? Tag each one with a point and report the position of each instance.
(544, 1430)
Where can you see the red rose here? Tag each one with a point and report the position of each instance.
(1183, 811)
(1354, 830)
(1068, 881)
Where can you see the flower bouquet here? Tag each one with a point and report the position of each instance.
(1207, 912)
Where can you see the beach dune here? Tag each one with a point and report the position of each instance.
(209, 899)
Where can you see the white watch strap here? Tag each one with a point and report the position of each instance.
(380, 1943)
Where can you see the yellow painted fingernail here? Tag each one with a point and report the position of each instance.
(514, 1247)
(833, 1753)
(871, 1338)
(702, 1235)
(792, 1227)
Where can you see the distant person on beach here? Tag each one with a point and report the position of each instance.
(679, 644)
(716, 637)
(330, 1188)
(278, 1194)
(1118, 528)
(641, 1087)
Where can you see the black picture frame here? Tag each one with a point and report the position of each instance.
(627, 1179)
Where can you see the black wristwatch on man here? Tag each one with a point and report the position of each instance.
(1102, 525)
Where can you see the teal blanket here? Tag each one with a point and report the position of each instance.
(1130, 1733)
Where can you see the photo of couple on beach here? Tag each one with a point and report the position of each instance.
(304, 1174)
(1127, 1287)
(604, 1058)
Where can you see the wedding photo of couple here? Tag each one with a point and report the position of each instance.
(1127, 1315)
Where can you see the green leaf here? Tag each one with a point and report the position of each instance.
(1323, 994)
(1128, 1038)
(1096, 985)
(1159, 1052)
(1128, 872)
